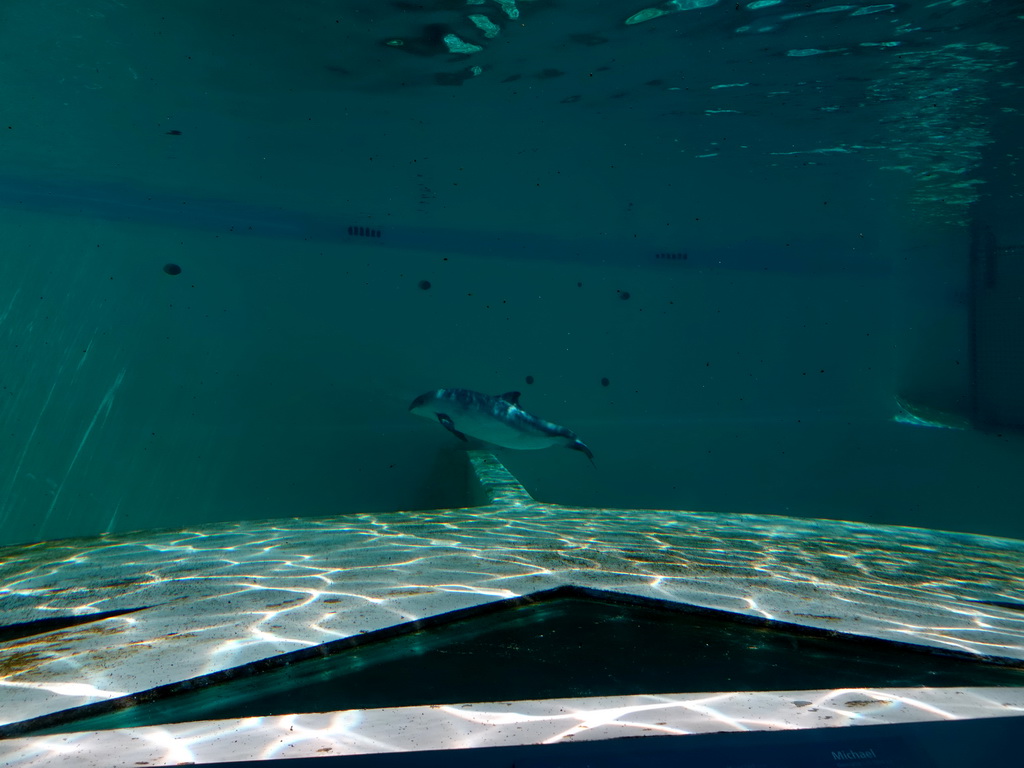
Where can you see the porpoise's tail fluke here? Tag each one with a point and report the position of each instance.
(579, 445)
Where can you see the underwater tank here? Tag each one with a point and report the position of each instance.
(302, 304)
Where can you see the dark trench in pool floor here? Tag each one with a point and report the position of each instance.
(9, 632)
(565, 647)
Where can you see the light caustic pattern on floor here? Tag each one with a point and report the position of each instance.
(502, 724)
(226, 595)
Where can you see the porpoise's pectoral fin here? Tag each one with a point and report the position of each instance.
(447, 423)
(511, 397)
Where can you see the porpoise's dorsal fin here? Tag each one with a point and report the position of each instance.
(511, 397)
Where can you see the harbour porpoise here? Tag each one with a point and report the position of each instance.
(497, 419)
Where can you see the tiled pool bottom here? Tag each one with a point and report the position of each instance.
(227, 595)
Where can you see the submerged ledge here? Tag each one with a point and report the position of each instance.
(506, 724)
(227, 595)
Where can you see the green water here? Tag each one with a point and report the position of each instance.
(722, 243)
